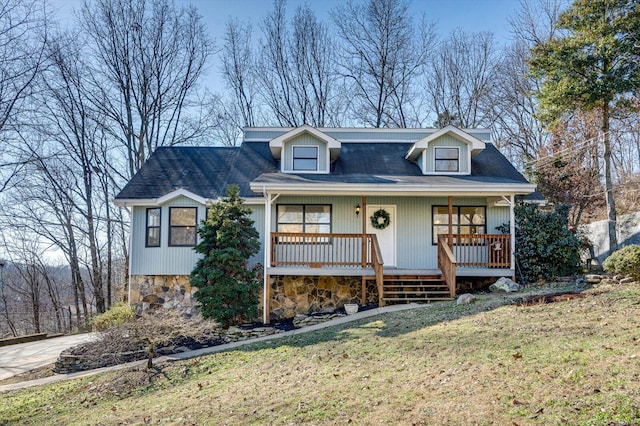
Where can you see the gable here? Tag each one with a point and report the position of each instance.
(297, 154)
(277, 142)
(447, 151)
(429, 156)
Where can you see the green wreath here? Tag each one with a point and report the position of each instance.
(380, 219)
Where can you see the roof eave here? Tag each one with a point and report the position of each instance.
(467, 189)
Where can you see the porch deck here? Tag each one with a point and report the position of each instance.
(360, 255)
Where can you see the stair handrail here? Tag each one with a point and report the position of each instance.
(447, 264)
(378, 266)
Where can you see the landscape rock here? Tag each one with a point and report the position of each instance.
(592, 279)
(465, 299)
(504, 284)
(626, 280)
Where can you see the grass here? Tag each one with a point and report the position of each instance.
(568, 362)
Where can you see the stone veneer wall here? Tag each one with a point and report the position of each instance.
(290, 295)
(162, 291)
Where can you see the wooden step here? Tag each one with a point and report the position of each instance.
(416, 299)
(403, 280)
(407, 285)
(412, 277)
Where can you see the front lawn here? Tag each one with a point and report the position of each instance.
(573, 361)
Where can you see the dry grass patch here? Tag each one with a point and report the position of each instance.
(573, 362)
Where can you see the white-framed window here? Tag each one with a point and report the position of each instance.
(305, 158)
(447, 159)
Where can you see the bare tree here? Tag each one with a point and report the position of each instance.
(383, 54)
(518, 129)
(297, 81)
(461, 78)
(568, 169)
(23, 35)
(238, 70)
(147, 57)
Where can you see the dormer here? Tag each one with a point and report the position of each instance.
(446, 152)
(305, 149)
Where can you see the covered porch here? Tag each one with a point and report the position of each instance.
(360, 255)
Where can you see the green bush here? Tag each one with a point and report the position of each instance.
(119, 313)
(545, 247)
(625, 261)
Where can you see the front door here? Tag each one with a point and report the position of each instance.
(387, 236)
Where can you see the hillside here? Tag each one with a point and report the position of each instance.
(573, 361)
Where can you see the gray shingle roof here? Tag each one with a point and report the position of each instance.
(206, 171)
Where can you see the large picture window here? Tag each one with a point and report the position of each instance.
(305, 158)
(152, 235)
(182, 226)
(304, 218)
(447, 160)
(464, 220)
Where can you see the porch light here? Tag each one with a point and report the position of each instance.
(357, 210)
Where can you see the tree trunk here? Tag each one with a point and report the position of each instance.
(608, 180)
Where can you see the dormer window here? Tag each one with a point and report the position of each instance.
(305, 158)
(447, 151)
(305, 150)
(447, 159)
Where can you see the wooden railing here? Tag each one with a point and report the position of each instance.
(378, 267)
(447, 264)
(482, 250)
(323, 250)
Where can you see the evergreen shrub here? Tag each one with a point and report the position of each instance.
(625, 261)
(545, 246)
(227, 289)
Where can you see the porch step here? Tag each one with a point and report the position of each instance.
(427, 290)
(416, 299)
(414, 288)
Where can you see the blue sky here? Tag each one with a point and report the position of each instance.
(473, 15)
(470, 15)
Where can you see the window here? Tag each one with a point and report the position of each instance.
(447, 159)
(152, 238)
(304, 218)
(305, 158)
(465, 220)
(182, 229)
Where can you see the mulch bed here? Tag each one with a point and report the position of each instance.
(549, 298)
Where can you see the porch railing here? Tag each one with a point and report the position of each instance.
(324, 250)
(482, 250)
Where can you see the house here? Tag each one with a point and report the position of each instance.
(344, 215)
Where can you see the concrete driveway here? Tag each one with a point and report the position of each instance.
(20, 358)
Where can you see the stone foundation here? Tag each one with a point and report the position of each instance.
(162, 291)
(294, 295)
(290, 295)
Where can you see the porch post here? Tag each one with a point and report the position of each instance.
(451, 221)
(512, 231)
(364, 247)
(364, 231)
(266, 285)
